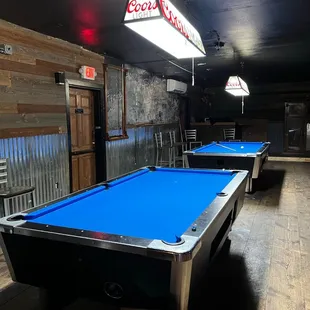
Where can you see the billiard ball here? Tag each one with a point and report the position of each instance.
(242, 147)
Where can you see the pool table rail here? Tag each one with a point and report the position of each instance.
(198, 246)
(184, 251)
(260, 152)
(252, 162)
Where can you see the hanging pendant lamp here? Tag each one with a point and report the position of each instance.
(160, 22)
(237, 87)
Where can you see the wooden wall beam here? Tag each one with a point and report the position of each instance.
(38, 108)
(5, 78)
(20, 55)
(59, 67)
(8, 108)
(54, 67)
(12, 108)
(23, 68)
(42, 68)
(28, 132)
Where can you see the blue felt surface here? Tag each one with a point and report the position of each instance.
(230, 147)
(159, 204)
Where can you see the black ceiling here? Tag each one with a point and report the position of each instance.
(271, 37)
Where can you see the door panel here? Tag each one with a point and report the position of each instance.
(82, 138)
(73, 123)
(87, 170)
(83, 171)
(75, 174)
(82, 119)
(88, 126)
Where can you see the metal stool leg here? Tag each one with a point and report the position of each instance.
(32, 197)
(170, 156)
(7, 210)
(174, 156)
(33, 204)
(161, 157)
(2, 210)
(157, 157)
(183, 157)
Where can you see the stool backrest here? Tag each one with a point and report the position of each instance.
(3, 171)
(172, 138)
(159, 139)
(190, 135)
(229, 133)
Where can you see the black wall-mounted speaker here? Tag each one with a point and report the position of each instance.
(60, 78)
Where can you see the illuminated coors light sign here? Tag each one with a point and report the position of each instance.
(237, 87)
(161, 23)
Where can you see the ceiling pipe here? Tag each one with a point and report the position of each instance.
(174, 64)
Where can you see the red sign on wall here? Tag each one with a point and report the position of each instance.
(88, 73)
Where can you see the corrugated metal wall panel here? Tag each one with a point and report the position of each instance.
(139, 150)
(40, 161)
(121, 155)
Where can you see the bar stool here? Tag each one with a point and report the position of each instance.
(160, 148)
(191, 137)
(7, 192)
(175, 149)
(229, 134)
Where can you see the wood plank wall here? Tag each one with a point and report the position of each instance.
(30, 101)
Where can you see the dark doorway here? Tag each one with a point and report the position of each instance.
(295, 128)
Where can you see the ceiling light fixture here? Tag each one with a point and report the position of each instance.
(237, 87)
(160, 22)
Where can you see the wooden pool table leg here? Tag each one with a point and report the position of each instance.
(180, 284)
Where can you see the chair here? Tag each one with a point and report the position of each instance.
(175, 149)
(160, 147)
(229, 134)
(7, 192)
(191, 137)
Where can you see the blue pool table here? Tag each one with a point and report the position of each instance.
(250, 156)
(141, 239)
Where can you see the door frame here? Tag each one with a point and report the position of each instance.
(304, 129)
(100, 120)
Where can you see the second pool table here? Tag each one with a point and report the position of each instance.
(139, 240)
(250, 156)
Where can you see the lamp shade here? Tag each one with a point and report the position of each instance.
(161, 23)
(237, 87)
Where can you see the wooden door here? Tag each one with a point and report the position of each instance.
(82, 125)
